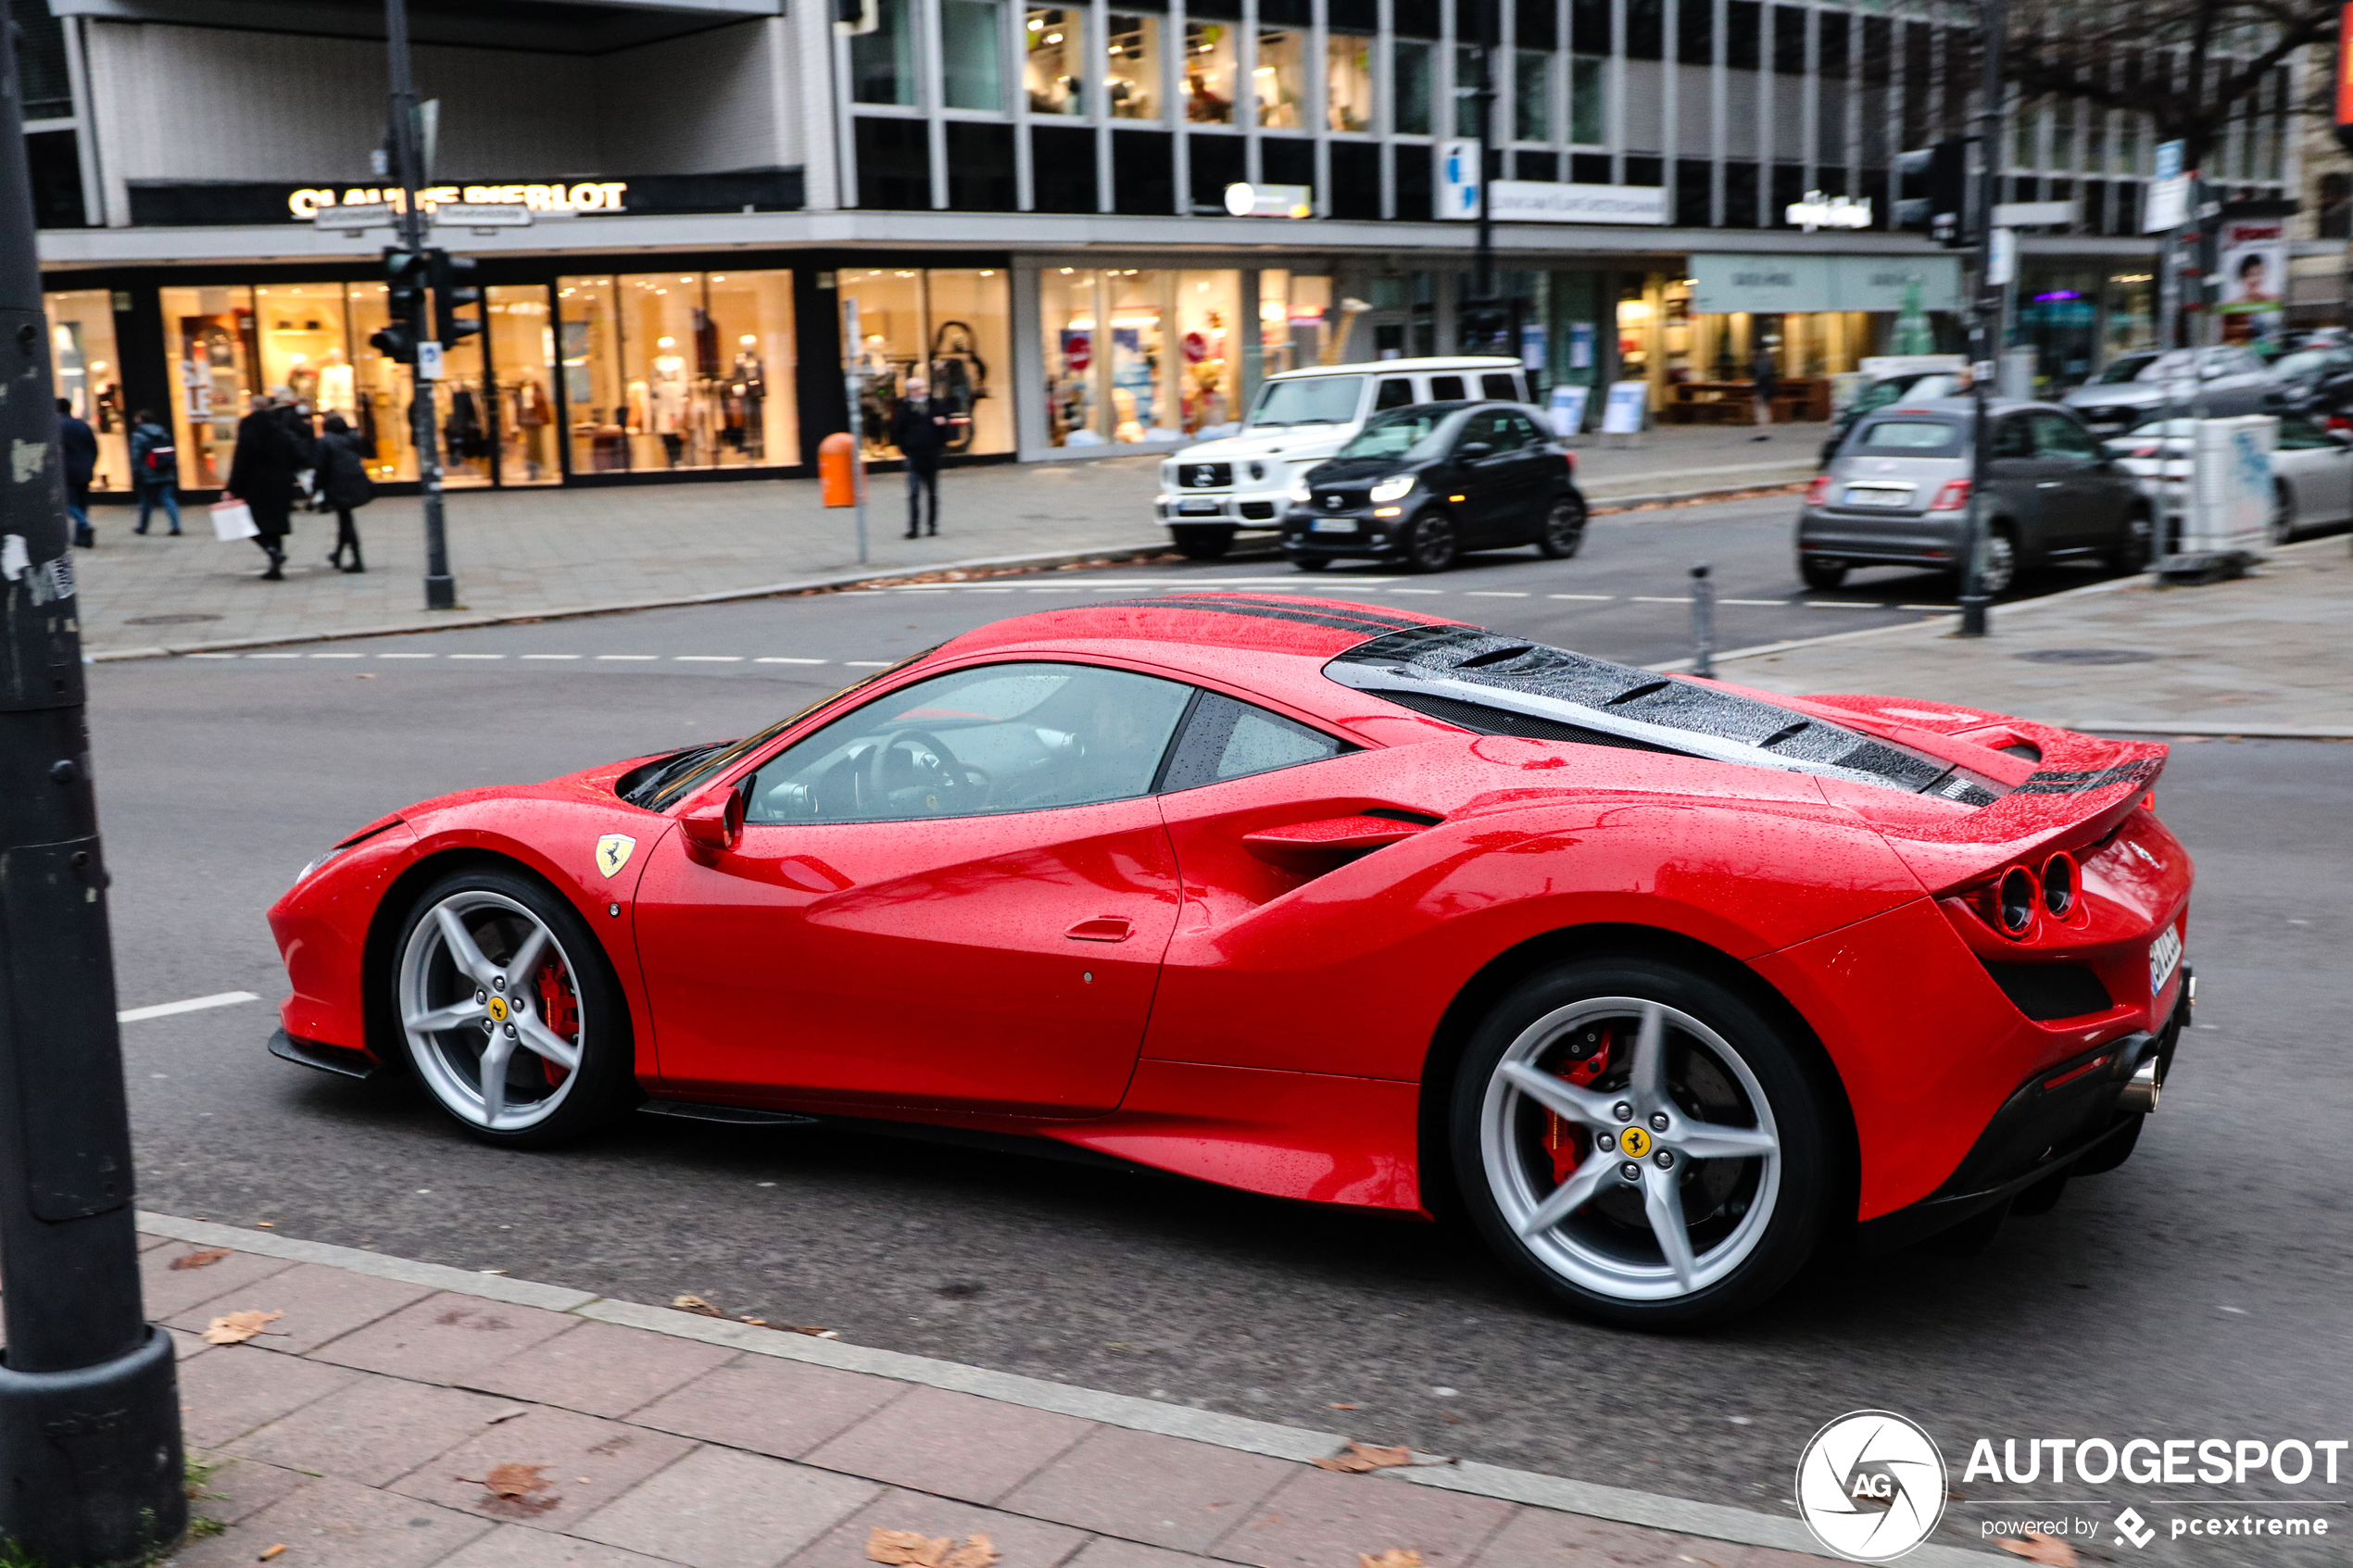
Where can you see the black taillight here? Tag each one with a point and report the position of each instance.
(2015, 902)
(2059, 886)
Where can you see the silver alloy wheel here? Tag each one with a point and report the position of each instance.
(476, 1024)
(2283, 513)
(1568, 1227)
(2001, 564)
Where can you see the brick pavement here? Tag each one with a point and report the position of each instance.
(361, 1428)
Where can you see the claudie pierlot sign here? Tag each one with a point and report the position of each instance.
(191, 203)
(307, 202)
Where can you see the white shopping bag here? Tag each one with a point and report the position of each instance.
(233, 520)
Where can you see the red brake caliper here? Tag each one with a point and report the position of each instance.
(1563, 1140)
(559, 1010)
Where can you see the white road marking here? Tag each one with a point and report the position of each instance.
(1659, 599)
(1774, 603)
(194, 1004)
(1053, 590)
(338, 655)
(706, 658)
(551, 656)
(1945, 609)
(627, 657)
(1492, 594)
(212, 655)
(778, 658)
(477, 656)
(1841, 604)
(273, 656)
(1434, 591)
(1593, 598)
(868, 663)
(407, 655)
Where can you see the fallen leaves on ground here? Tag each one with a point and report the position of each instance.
(235, 1328)
(1362, 1457)
(272, 1552)
(516, 1480)
(1347, 1407)
(2039, 1548)
(810, 1329)
(1395, 1557)
(916, 1549)
(203, 1259)
(696, 1305)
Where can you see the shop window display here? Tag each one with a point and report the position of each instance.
(1279, 81)
(677, 369)
(1050, 72)
(523, 353)
(380, 390)
(208, 336)
(1210, 73)
(89, 376)
(950, 325)
(1291, 307)
(1348, 81)
(1155, 361)
(1131, 67)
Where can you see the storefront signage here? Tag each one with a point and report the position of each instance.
(2254, 256)
(308, 203)
(1543, 201)
(1246, 200)
(1777, 285)
(1819, 211)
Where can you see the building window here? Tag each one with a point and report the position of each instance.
(882, 63)
(1279, 82)
(1131, 67)
(1409, 70)
(972, 54)
(2336, 207)
(1051, 73)
(89, 375)
(1348, 81)
(42, 74)
(1209, 72)
(1531, 95)
(1467, 76)
(1588, 100)
(1291, 311)
(1165, 364)
(669, 371)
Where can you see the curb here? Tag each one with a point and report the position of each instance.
(1600, 505)
(1243, 1434)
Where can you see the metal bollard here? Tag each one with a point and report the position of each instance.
(1703, 624)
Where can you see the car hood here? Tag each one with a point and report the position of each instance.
(1306, 443)
(2130, 393)
(1358, 471)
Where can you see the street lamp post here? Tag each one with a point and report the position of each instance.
(90, 1456)
(1485, 313)
(1984, 326)
(441, 588)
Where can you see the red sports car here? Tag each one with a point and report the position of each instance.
(1667, 984)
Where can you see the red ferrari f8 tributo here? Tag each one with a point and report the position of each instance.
(1666, 982)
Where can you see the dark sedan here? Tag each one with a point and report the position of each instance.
(1421, 485)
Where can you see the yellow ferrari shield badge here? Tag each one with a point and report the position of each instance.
(1634, 1141)
(613, 851)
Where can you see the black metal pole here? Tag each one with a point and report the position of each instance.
(89, 1459)
(1483, 278)
(441, 589)
(1984, 326)
(1702, 622)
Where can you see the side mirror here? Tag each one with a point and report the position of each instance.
(713, 823)
(1471, 451)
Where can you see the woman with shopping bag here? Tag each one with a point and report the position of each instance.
(263, 474)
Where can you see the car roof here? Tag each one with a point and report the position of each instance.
(1963, 407)
(1383, 367)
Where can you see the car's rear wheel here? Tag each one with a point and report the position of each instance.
(1821, 573)
(1563, 533)
(1312, 563)
(1642, 1142)
(1432, 542)
(2282, 512)
(510, 1010)
(2000, 568)
(2134, 552)
(1202, 544)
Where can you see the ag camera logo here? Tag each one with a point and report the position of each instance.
(1870, 1485)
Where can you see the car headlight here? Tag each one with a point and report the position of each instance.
(1390, 489)
(307, 871)
(1299, 491)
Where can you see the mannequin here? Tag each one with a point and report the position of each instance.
(747, 390)
(533, 413)
(335, 385)
(667, 386)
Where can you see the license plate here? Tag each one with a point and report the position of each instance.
(1860, 496)
(1335, 525)
(1200, 508)
(2165, 956)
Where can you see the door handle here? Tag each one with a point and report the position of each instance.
(2048, 483)
(1103, 928)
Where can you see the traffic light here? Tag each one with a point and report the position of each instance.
(855, 19)
(1934, 197)
(403, 305)
(454, 290)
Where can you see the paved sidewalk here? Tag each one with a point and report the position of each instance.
(391, 1414)
(2269, 655)
(525, 552)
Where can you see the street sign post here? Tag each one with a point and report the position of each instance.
(408, 156)
(854, 389)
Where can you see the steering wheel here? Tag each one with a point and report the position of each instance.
(951, 773)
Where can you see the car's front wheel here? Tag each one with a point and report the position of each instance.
(1563, 533)
(510, 1013)
(1432, 543)
(1643, 1143)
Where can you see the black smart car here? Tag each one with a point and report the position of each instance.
(1422, 485)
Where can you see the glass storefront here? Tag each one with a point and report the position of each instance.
(948, 324)
(1291, 311)
(1138, 356)
(89, 376)
(670, 371)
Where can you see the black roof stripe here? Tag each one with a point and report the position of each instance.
(1209, 599)
(1261, 609)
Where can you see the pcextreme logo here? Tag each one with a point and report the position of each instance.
(1870, 1485)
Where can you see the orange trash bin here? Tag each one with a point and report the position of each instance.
(837, 478)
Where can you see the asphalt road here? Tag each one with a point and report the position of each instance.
(2199, 1292)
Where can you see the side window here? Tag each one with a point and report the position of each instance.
(1502, 386)
(1523, 431)
(1004, 738)
(2059, 436)
(2301, 434)
(1395, 393)
(1446, 389)
(1226, 739)
(1491, 425)
(2013, 439)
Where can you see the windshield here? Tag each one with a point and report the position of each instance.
(2309, 361)
(1908, 436)
(2127, 369)
(1311, 400)
(1409, 433)
(1920, 388)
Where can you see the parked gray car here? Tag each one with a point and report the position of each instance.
(2134, 387)
(1898, 495)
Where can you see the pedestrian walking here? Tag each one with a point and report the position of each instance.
(343, 487)
(919, 428)
(155, 470)
(263, 471)
(1765, 373)
(78, 445)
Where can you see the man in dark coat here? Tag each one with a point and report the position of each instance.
(919, 428)
(78, 445)
(344, 486)
(262, 474)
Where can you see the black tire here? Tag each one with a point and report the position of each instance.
(1202, 544)
(2283, 526)
(1432, 542)
(2001, 564)
(563, 1105)
(1562, 533)
(1595, 1262)
(1823, 574)
(1312, 563)
(2133, 555)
